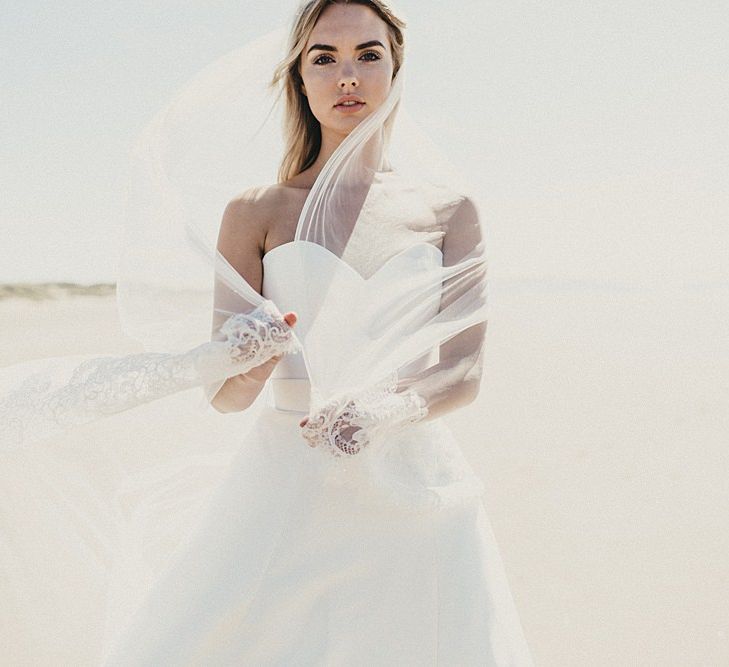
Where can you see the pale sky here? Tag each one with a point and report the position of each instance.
(607, 127)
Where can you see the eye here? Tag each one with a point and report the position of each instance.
(371, 53)
(316, 62)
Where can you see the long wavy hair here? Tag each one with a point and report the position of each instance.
(302, 131)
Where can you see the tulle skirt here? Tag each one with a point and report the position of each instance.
(274, 562)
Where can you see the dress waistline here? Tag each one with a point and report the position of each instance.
(291, 394)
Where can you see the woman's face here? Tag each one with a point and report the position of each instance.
(348, 53)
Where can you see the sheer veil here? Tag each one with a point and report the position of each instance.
(115, 457)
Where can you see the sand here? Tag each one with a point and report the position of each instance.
(602, 438)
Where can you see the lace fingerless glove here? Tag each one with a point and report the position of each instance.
(251, 339)
(347, 423)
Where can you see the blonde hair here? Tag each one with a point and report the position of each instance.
(302, 131)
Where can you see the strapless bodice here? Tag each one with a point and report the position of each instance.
(290, 268)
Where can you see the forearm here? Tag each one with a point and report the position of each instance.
(237, 394)
(454, 397)
(445, 387)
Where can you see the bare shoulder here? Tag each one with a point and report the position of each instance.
(284, 203)
(245, 217)
(242, 232)
(463, 230)
(253, 222)
(248, 217)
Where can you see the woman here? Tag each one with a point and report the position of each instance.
(370, 546)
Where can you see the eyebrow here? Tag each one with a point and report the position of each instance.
(327, 47)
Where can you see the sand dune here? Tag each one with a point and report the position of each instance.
(41, 291)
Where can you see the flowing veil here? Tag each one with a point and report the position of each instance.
(109, 462)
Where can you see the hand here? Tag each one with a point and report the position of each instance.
(346, 423)
(253, 340)
(333, 426)
(262, 372)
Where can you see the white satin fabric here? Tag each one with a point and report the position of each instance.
(292, 567)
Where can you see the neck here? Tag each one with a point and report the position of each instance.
(330, 142)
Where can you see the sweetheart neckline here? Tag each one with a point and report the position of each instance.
(326, 250)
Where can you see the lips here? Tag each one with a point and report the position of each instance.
(349, 98)
(349, 108)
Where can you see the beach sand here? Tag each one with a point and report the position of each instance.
(603, 447)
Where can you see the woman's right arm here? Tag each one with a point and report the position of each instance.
(241, 242)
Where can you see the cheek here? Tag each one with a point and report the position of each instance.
(383, 85)
(316, 87)
(318, 100)
(382, 79)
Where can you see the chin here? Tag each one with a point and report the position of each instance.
(345, 128)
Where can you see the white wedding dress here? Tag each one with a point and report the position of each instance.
(292, 566)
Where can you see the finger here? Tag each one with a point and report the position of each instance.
(290, 318)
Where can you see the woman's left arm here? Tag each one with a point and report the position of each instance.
(456, 379)
(346, 423)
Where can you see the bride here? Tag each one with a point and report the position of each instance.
(343, 524)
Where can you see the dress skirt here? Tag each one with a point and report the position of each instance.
(292, 566)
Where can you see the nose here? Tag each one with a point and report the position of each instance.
(348, 80)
